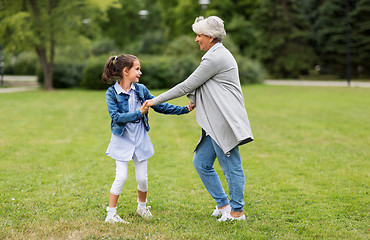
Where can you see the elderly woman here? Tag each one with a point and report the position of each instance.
(214, 89)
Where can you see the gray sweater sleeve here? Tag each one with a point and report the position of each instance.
(202, 74)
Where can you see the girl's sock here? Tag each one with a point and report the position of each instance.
(111, 212)
(141, 205)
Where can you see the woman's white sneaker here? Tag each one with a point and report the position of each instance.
(227, 217)
(145, 213)
(218, 212)
(115, 219)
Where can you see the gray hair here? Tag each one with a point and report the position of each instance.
(212, 26)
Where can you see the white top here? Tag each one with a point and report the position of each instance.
(134, 140)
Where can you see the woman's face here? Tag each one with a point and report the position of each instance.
(205, 42)
(134, 73)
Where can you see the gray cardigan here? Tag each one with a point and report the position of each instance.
(214, 87)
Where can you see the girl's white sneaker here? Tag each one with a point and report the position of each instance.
(227, 217)
(145, 213)
(114, 219)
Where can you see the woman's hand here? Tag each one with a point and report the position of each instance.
(149, 103)
(144, 108)
(191, 106)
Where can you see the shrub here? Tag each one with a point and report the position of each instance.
(166, 71)
(184, 46)
(92, 73)
(26, 63)
(103, 46)
(250, 71)
(65, 75)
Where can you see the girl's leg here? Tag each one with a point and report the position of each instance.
(119, 181)
(121, 176)
(142, 187)
(141, 169)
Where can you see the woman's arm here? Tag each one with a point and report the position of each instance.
(166, 108)
(202, 74)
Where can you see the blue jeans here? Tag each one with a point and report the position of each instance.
(203, 161)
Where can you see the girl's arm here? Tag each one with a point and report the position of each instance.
(166, 108)
(119, 117)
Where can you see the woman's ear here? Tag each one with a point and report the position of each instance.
(211, 39)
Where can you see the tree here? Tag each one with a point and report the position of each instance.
(133, 32)
(43, 25)
(360, 41)
(283, 38)
(330, 32)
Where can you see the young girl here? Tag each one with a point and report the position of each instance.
(129, 127)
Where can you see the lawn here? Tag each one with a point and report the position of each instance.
(307, 172)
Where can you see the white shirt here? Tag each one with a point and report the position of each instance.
(135, 140)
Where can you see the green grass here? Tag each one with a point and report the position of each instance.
(307, 172)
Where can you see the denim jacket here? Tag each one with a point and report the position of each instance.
(118, 108)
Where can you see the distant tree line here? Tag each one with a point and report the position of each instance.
(290, 38)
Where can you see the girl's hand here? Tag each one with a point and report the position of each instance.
(191, 106)
(144, 108)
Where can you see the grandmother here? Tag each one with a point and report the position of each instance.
(214, 89)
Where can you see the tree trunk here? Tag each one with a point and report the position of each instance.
(47, 64)
(47, 68)
(48, 78)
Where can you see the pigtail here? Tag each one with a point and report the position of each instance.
(110, 71)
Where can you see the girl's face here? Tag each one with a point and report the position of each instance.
(205, 42)
(133, 74)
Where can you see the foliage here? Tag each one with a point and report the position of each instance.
(360, 41)
(180, 59)
(250, 71)
(330, 32)
(43, 25)
(65, 75)
(289, 37)
(103, 46)
(182, 46)
(282, 44)
(25, 63)
(92, 73)
(127, 28)
(166, 71)
(306, 172)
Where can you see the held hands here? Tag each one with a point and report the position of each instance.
(144, 108)
(191, 106)
(149, 103)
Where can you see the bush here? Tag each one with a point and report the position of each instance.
(92, 72)
(161, 72)
(166, 71)
(65, 75)
(250, 71)
(26, 63)
(103, 46)
(184, 46)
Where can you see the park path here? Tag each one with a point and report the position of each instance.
(19, 84)
(317, 83)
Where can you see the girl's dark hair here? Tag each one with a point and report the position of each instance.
(115, 65)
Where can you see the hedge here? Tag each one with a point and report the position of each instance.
(65, 75)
